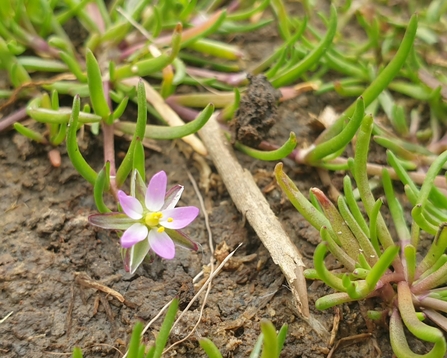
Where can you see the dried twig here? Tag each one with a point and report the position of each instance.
(86, 281)
(82, 279)
(251, 202)
(353, 340)
(6, 317)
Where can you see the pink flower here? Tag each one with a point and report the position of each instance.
(150, 220)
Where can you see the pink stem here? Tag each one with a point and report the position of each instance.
(185, 113)
(109, 145)
(14, 117)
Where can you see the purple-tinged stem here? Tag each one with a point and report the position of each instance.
(233, 6)
(41, 46)
(432, 303)
(433, 280)
(392, 277)
(14, 117)
(200, 24)
(232, 79)
(439, 146)
(387, 293)
(185, 113)
(131, 50)
(109, 145)
(94, 13)
(438, 318)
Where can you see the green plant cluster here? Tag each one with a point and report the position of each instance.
(269, 344)
(170, 42)
(375, 264)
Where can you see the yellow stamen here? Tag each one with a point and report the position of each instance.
(161, 229)
(170, 220)
(153, 219)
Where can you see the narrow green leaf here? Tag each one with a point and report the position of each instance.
(361, 237)
(210, 28)
(297, 70)
(95, 85)
(29, 133)
(74, 154)
(421, 219)
(273, 155)
(139, 159)
(256, 352)
(334, 299)
(361, 178)
(299, 201)
(102, 184)
(380, 82)
(163, 132)
(343, 233)
(382, 265)
(353, 206)
(325, 275)
(375, 212)
(270, 349)
(396, 210)
(282, 334)
(73, 65)
(437, 248)
(400, 345)
(165, 328)
(138, 133)
(210, 348)
(118, 112)
(410, 262)
(134, 344)
(77, 352)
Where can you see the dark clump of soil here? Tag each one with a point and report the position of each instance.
(257, 113)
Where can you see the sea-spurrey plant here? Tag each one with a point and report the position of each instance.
(150, 220)
(412, 291)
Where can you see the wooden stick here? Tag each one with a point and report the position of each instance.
(251, 202)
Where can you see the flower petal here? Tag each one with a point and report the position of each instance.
(181, 217)
(131, 206)
(161, 244)
(136, 233)
(113, 221)
(156, 191)
(172, 197)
